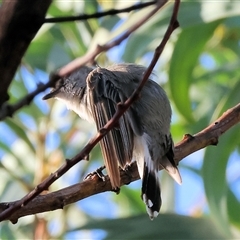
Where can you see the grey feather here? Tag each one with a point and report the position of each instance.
(142, 133)
(117, 145)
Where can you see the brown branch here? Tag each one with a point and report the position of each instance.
(90, 187)
(90, 57)
(19, 22)
(8, 110)
(99, 14)
(86, 150)
(209, 135)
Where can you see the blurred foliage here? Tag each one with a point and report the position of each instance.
(199, 70)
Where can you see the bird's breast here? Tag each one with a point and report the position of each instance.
(80, 108)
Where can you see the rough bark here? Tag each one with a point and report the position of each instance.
(20, 20)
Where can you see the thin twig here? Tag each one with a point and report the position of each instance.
(8, 110)
(59, 199)
(209, 135)
(90, 57)
(86, 150)
(98, 14)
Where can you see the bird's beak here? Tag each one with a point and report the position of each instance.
(52, 94)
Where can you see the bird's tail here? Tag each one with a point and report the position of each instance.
(151, 192)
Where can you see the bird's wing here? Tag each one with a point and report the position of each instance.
(117, 145)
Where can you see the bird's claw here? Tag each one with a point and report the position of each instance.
(97, 172)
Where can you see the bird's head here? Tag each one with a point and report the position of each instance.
(70, 87)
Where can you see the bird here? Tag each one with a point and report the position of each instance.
(142, 133)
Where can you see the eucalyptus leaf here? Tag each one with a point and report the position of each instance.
(233, 205)
(6, 232)
(166, 226)
(18, 128)
(214, 177)
(190, 44)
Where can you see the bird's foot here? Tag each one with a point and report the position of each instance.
(98, 172)
(127, 170)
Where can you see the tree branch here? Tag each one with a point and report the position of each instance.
(86, 150)
(8, 110)
(209, 135)
(99, 14)
(94, 185)
(19, 22)
(90, 57)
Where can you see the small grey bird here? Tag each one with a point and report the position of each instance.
(142, 133)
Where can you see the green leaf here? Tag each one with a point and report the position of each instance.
(232, 34)
(197, 12)
(233, 207)
(214, 177)
(222, 202)
(110, 21)
(132, 52)
(189, 46)
(9, 150)
(166, 226)
(57, 57)
(129, 201)
(228, 100)
(18, 129)
(6, 232)
(144, 39)
(39, 49)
